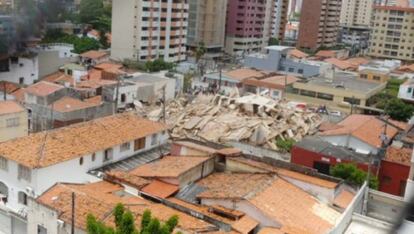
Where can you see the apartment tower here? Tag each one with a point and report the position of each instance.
(248, 26)
(206, 24)
(392, 32)
(314, 31)
(280, 17)
(149, 29)
(356, 13)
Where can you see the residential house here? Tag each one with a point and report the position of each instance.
(20, 69)
(281, 59)
(77, 71)
(68, 154)
(53, 56)
(363, 133)
(351, 64)
(341, 91)
(405, 91)
(150, 87)
(94, 57)
(13, 120)
(274, 86)
(325, 54)
(374, 75)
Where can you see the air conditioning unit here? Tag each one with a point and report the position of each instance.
(30, 192)
(60, 223)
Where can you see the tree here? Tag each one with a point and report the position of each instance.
(103, 39)
(285, 144)
(90, 10)
(200, 51)
(350, 173)
(125, 223)
(273, 41)
(398, 110)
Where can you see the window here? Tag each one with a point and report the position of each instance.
(108, 155)
(275, 93)
(81, 161)
(353, 101)
(21, 80)
(24, 173)
(41, 230)
(12, 122)
(410, 90)
(300, 71)
(325, 96)
(123, 97)
(154, 139)
(22, 198)
(126, 146)
(139, 144)
(377, 78)
(364, 76)
(93, 157)
(291, 69)
(3, 163)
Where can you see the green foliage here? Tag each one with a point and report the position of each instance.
(273, 41)
(200, 51)
(125, 223)
(158, 65)
(81, 44)
(285, 144)
(350, 173)
(398, 110)
(188, 80)
(103, 39)
(90, 10)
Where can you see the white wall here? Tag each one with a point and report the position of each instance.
(406, 92)
(351, 142)
(27, 68)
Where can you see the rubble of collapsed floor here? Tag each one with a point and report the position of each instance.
(253, 119)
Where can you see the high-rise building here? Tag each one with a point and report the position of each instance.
(149, 29)
(206, 24)
(281, 8)
(248, 25)
(392, 32)
(356, 12)
(319, 23)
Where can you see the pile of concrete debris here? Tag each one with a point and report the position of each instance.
(252, 119)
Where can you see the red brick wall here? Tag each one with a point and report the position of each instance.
(397, 176)
(309, 24)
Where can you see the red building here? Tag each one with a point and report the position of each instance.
(392, 172)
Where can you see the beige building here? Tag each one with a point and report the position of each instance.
(356, 12)
(13, 121)
(206, 25)
(315, 31)
(392, 34)
(147, 30)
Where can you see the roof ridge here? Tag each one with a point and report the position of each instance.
(261, 187)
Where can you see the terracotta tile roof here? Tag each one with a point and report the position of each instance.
(74, 141)
(100, 198)
(19, 94)
(94, 54)
(245, 224)
(274, 82)
(344, 198)
(401, 156)
(325, 126)
(43, 88)
(244, 73)
(364, 127)
(94, 84)
(357, 61)
(95, 100)
(298, 54)
(160, 189)
(126, 178)
(9, 107)
(170, 166)
(8, 86)
(407, 68)
(341, 64)
(273, 196)
(283, 230)
(59, 78)
(401, 125)
(108, 66)
(286, 173)
(326, 54)
(68, 104)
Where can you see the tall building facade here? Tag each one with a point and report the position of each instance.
(314, 31)
(392, 33)
(206, 24)
(356, 13)
(248, 25)
(149, 29)
(280, 18)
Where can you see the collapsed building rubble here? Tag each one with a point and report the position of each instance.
(253, 119)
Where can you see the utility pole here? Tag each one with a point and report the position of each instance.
(220, 76)
(285, 88)
(365, 203)
(117, 94)
(4, 91)
(164, 115)
(73, 214)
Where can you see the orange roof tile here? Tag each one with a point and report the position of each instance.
(364, 127)
(401, 156)
(100, 199)
(245, 224)
(127, 178)
(68, 104)
(244, 73)
(326, 54)
(160, 189)
(108, 66)
(40, 150)
(344, 198)
(59, 78)
(357, 61)
(94, 54)
(341, 64)
(298, 54)
(43, 88)
(9, 107)
(170, 166)
(274, 82)
(95, 100)
(8, 86)
(19, 94)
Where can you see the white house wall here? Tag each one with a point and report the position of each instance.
(354, 143)
(27, 68)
